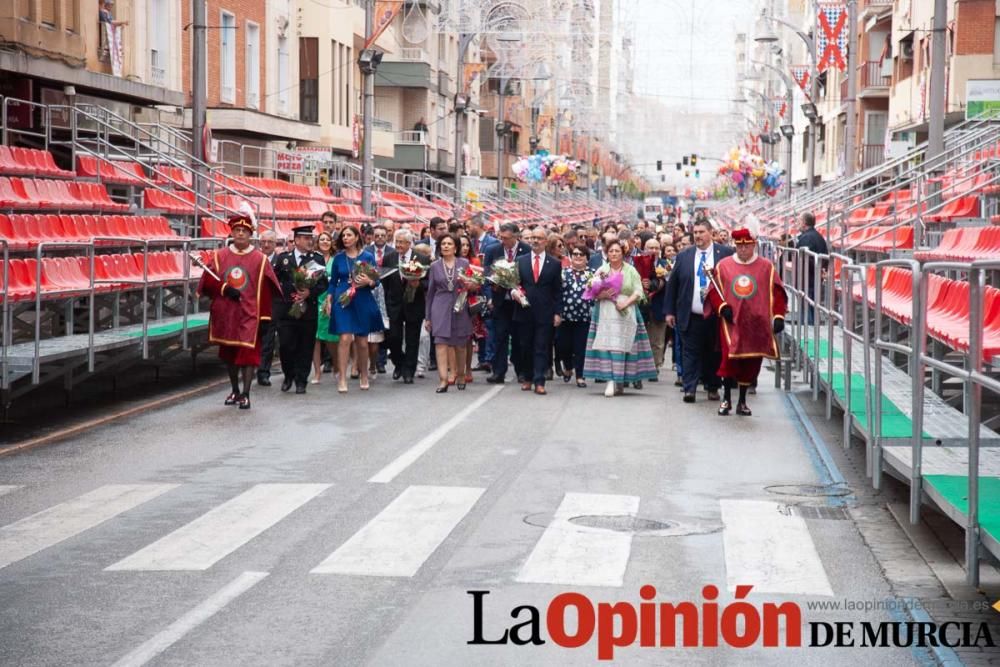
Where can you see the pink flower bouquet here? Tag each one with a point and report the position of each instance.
(602, 282)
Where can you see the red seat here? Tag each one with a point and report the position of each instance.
(9, 163)
(956, 209)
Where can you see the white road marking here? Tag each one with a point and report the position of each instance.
(7, 488)
(407, 458)
(189, 621)
(217, 533)
(575, 555)
(770, 550)
(60, 522)
(402, 536)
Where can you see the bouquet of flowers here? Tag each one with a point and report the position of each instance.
(662, 271)
(412, 270)
(359, 269)
(305, 278)
(469, 280)
(506, 276)
(602, 282)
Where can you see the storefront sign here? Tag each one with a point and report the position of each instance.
(290, 162)
(982, 96)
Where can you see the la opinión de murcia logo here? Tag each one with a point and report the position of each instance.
(705, 624)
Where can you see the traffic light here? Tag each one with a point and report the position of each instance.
(663, 178)
(659, 165)
(687, 174)
(678, 166)
(694, 160)
(697, 173)
(686, 158)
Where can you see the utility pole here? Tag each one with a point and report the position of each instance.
(935, 137)
(813, 94)
(850, 147)
(500, 134)
(368, 156)
(199, 87)
(461, 118)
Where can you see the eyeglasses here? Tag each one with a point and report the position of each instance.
(577, 253)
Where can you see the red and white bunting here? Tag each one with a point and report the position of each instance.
(832, 35)
(780, 107)
(801, 75)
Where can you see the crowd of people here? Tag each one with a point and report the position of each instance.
(577, 303)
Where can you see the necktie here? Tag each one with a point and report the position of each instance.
(535, 269)
(510, 254)
(475, 246)
(378, 257)
(702, 275)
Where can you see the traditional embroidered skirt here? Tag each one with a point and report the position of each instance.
(615, 366)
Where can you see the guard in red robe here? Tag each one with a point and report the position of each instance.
(242, 289)
(748, 294)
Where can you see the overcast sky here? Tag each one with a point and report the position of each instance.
(685, 52)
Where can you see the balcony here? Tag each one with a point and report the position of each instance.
(871, 82)
(412, 151)
(872, 155)
(412, 55)
(871, 8)
(406, 73)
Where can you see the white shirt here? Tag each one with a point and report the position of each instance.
(298, 257)
(697, 306)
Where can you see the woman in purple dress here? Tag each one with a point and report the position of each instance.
(451, 330)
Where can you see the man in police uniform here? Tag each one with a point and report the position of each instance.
(297, 335)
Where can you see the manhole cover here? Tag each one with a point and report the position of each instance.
(811, 490)
(623, 523)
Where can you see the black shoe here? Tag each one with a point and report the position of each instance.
(441, 390)
(397, 373)
(407, 379)
(460, 386)
(300, 389)
(637, 385)
(725, 408)
(380, 369)
(742, 410)
(327, 367)
(689, 397)
(286, 384)
(713, 395)
(432, 367)
(656, 379)
(232, 399)
(752, 391)
(495, 379)
(264, 380)
(549, 375)
(243, 402)
(678, 383)
(483, 368)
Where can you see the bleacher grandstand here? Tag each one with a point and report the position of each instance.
(907, 332)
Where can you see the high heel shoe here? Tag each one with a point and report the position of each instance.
(460, 386)
(451, 381)
(469, 379)
(441, 390)
(364, 385)
(342, 388)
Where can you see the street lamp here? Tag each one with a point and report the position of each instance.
(788, 131)
(762, 31)
(809, 109)
(368, 62)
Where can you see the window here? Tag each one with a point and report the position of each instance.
(348, 76)
(157, 36)
(72, 17)
(253, 66)
(282, 92)
(996, 40)
(48, 13)
(227, 58)
(335, 75)
(309, 79)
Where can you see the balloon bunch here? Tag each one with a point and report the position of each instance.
(556, 169)
(749, 173)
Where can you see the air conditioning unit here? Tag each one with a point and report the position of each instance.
(513, 88)
(906, 50)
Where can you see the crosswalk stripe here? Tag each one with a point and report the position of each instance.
(771, 550)
(60, 522)
(575, 555)
(7, 488)
(189, 621)
(397, 541)
(217, 533)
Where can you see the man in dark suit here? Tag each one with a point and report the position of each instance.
(385, 258)
(541, 282)
(268, 330)
(684, 310)
(503, 331)
(438, 227)
(297, 335)
(811, 239)
(405, 318)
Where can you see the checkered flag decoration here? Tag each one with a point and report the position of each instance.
(801, 75)
(780, 107)
(833, 33)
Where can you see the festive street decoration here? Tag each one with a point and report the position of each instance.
(801, 75)
(558, 170)
(833, 32)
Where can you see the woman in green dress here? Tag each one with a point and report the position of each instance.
(324, 245)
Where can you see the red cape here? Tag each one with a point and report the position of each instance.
(757, 297)
(237, 322)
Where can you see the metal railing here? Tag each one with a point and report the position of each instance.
(412, 138)
(871, 75)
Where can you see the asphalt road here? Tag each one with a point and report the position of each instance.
(347, 530)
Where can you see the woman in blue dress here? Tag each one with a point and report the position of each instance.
(361, 316)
